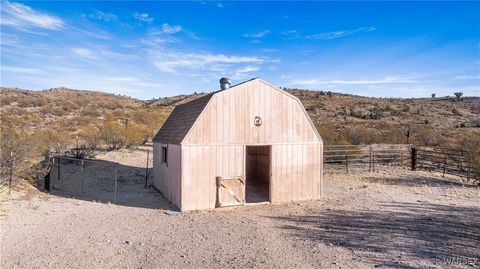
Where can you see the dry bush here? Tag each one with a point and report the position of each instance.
(113, 134)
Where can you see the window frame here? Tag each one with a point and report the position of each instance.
(164, 155)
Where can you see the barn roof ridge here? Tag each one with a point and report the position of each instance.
(184, 116)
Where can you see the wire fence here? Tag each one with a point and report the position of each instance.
(96, 180)
(87, 179)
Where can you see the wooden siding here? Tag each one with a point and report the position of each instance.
(296, 172)
(200, 167)
(166, 176)
(228, 119)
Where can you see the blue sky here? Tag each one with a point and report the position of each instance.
(155, 49)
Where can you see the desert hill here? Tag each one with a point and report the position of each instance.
(61, 116)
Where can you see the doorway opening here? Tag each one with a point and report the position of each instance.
(257, 166)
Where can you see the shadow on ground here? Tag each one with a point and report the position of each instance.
(417, 180)
(398, 233)
(96, 182)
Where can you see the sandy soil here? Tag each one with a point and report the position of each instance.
(388, 219)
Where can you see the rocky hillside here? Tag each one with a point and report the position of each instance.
(107, 119)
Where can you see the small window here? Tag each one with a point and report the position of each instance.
(164, 155)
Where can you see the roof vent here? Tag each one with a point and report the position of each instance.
(225, 83)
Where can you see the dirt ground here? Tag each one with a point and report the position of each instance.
(393, 218)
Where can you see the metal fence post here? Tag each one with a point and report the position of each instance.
(346, 162)
(444, 165)
(373, 162)
(81, 174)
(146, 170)
(115, 176)
(58, 169)
(414, 159)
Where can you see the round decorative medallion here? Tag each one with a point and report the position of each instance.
(258, 121)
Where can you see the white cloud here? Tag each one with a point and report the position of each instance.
(257, 35)
(219, 5)
(385, 80)
(244, 72)
(339, 34)
(290, 34)
(171, 29)
(159, 40)
(172, 61)
(124, 79)
(145, 17)
(166, 29)
(85, 53)
(22, 70)
(467, 77)
(24, 17)
(104, 16)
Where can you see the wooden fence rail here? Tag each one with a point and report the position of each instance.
(352, 158)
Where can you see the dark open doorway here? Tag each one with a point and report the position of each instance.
(257, 166)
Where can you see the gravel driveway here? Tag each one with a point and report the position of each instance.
(399, 219)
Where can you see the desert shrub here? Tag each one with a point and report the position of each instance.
(90, 137)
(112, 134)
(375, 113)
(427, 137)
(456, 112)
(136, 135)
(50, 140)
(361, 135)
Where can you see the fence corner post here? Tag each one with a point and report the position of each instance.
(414, 159)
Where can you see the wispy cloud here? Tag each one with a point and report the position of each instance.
(84, 53)
(290, 34)
(174, 61)
(171, 29)
(22, 70)
(24, 17)
(219, 5)
(145, 17)
(339, 34)
(385, 80)
(466, 77)
(166, 29)
(103, 16)
(244, 72)
(156, 41)
(257, 35)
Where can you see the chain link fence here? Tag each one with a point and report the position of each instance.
(94, 180)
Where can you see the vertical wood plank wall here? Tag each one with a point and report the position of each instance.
(200, 167)
(215, 146)
(229, 118)
(166, 178)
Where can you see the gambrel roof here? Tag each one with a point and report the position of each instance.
(184, 116)
(181, 120)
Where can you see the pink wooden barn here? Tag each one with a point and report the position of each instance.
(247, 143)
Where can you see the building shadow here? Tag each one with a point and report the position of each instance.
(105, 182)
(412, 180)
(396, 234)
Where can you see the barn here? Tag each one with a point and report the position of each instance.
(247, 143)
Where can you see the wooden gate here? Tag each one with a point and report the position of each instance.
(230, 191)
